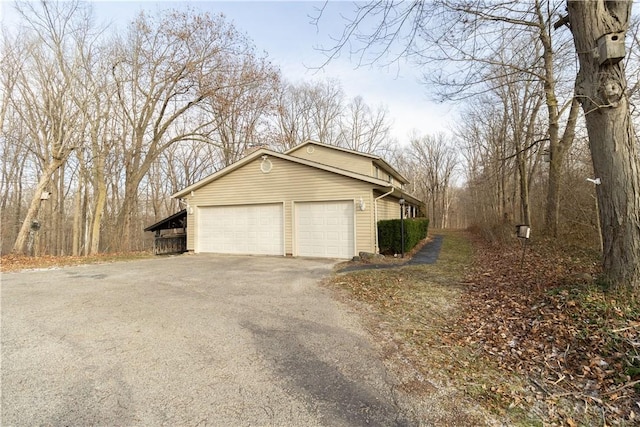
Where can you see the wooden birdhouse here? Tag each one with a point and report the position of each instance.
(611, 48)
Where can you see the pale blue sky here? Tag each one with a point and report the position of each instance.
(284, 30)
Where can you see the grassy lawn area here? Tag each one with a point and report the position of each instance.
(541, 345)
(410, 311)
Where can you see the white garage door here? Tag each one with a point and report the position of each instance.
(247, 229)
(325, 229)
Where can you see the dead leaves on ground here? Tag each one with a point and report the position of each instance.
(578, 345)
(12, 262)
(535, 340)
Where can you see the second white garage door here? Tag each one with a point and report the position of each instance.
(325, 229)
(246, 229)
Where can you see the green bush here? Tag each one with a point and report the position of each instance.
(390, 236)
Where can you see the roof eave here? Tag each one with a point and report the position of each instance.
(335, 147)
(399, 193)
(220, 173)
(262, 152)
(167, 219)
(397, 175)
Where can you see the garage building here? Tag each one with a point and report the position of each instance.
(314, 200)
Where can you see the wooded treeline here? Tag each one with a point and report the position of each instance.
(99, 128)
(537, 77)
(109, 124)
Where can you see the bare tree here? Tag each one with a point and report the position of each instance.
(521, 98)
(309, 111)
(632, 68)
(293, 119)
(461, 43)
(13, 152)
(242, 107)
(433, 162)
(317, 111)
(44, 96)
(187, 162)
(483, 134)
(601, 88)
(164, 69)
(363, 129)
(326, 110)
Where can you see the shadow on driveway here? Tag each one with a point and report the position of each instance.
(334, 390)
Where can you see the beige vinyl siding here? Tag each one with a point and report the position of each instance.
(287, 182)
(336, 158)
(365, 227)
(387, 177)
(344, 160)
(388, 208)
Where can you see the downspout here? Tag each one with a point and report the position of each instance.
(375, 215)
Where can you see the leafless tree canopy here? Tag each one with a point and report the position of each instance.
(524, 56)
(99, 128)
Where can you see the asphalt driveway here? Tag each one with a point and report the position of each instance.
(187, 340)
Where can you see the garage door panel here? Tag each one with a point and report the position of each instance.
(325, 229)
(246, 229)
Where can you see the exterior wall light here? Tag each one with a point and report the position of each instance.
(362, 205)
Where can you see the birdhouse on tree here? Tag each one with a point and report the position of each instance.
(611, 48)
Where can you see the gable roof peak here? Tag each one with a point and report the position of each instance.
(333, 147)
(267, 152)
(377, 160)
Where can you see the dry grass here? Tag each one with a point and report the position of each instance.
(20, 262)
(537, 345)
(410, 311)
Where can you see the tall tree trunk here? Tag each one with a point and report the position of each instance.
(19, 246)
(601, 89)
(524, 189)
(558, 144)
(59, 218)
(77, 223)
(100, 189)
(124, 223)
(86, 219)
(552, 208)
(558, 148)
(18, 206)
(98, 213)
